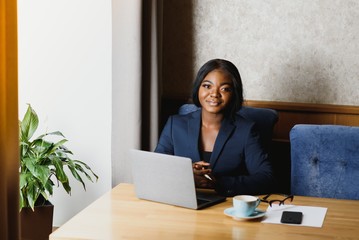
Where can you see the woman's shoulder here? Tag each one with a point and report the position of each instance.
(241, 120)
(184, 117)
(244, 124)
(187, 115)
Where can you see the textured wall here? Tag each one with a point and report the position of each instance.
(295, 51)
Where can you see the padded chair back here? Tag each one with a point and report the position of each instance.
(264, 118)
(325, 161)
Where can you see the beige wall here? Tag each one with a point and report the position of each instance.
(293, 51)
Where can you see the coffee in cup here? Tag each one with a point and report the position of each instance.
(245, 205)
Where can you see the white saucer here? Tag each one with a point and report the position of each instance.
(257, 214)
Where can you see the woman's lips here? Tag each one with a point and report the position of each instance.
(213, 103)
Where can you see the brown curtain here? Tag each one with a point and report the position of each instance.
(9, 138)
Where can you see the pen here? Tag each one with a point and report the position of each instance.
(208, 177)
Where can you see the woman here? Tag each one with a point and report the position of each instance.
(224, 147)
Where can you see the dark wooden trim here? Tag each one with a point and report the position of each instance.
(291, 114)
(305, 107)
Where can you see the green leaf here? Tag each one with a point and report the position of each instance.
(81, 169)
(29, 124)
(24, 178)
(49, 187)
(72, 168)
(66, 186)
(42, 173)
(57, 133)
(22, 201)
(57, 145)
(32, 193)
(87, 167)
(59, 170)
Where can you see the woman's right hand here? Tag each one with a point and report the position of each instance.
(203, 175)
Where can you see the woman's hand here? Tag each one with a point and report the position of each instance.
(203, 177)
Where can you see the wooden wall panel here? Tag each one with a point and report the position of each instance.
(347, 119)
(288, 119)
(306, 113)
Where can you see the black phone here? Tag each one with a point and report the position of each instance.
(291, 217)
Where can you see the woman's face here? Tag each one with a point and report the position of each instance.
(215, 92)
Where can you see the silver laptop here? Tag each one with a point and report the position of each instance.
(168, 179)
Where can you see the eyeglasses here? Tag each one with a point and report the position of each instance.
(270, 201)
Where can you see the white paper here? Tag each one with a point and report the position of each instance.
(312, 216)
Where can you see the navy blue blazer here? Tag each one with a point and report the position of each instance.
(238, 161)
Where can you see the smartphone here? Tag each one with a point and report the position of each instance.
(291, 217)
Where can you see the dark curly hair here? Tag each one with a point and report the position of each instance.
(232, 71)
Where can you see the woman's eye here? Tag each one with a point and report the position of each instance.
(226, 89)
(206, 85)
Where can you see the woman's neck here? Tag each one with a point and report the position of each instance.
(210, 120)
(211, 124)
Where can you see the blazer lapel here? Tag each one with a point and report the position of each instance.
(223, 135)
(193, 135)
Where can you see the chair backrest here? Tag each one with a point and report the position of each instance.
(264, 118)
(325, 161)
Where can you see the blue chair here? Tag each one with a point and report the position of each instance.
(264, 118)
(325, 161)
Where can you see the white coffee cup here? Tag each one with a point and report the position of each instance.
(245, 205)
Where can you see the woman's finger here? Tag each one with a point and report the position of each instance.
(201, 165)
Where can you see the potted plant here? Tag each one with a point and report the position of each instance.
(42, 166)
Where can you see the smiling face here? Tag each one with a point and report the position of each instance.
(216, 92)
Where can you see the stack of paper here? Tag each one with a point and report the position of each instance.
(312, 216)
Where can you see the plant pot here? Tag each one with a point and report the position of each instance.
(37, 225)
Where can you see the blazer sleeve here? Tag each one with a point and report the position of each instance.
(258, 178)
(165, 143)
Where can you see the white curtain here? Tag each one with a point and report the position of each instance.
(136, 52)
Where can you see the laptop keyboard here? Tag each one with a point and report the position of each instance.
(201, 201)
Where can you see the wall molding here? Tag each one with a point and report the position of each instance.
(291, 114)
(304, 107)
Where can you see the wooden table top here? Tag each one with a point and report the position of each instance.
(120, 215)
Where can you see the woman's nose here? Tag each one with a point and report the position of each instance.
(214, 92)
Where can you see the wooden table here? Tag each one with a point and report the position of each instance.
(120, 215)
